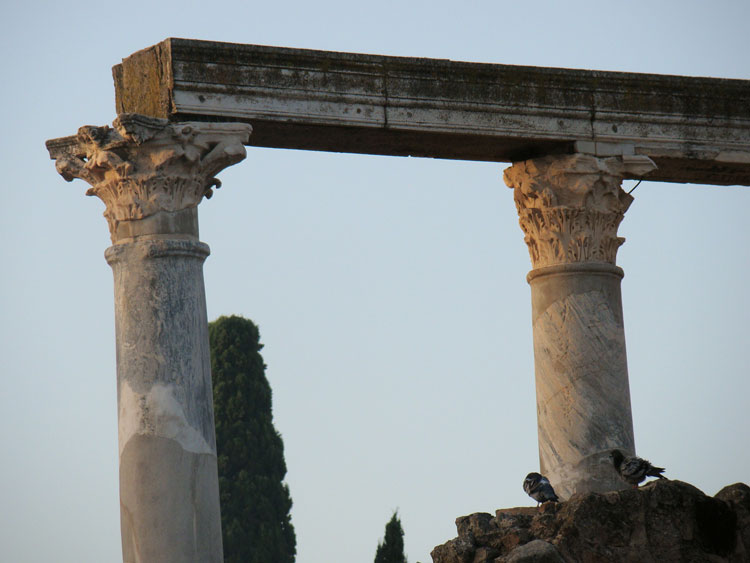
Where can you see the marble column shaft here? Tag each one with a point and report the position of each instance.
(569, 210)
(151, 175)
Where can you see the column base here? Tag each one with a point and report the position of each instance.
(593, 473)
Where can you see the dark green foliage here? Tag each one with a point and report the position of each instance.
(255, 503)
(392, 548)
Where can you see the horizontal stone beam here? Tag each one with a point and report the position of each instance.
(695, 129)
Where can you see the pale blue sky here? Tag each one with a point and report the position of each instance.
(390, 292)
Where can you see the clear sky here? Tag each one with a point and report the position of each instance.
(390, 292)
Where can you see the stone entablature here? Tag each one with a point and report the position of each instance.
(695, 129)
(570, 207)
(144, 166)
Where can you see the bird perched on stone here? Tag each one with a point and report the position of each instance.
(538, 487)
(633, 469)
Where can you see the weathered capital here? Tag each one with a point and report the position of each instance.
(570, 207)
(146, 165)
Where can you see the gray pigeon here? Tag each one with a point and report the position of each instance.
(538, 487)
(633, 469)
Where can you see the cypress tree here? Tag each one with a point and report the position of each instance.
(391, 550)
(255, 502)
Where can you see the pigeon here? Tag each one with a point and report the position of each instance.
(633, 469)
(537, 487)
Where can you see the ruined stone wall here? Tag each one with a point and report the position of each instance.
(663, 522)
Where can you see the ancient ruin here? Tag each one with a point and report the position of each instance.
(664, 521)
(187, 109)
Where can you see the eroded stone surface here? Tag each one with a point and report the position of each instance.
(662, 522)
(145, 166)
(536, 551)
(158, 413)
(168, 471)
(583, 397)
(570, 207)
(738, 497)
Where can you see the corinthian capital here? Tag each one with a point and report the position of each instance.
(143, 165)
(569, 207)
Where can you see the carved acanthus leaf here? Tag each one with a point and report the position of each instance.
(570, 207)
(145, 165)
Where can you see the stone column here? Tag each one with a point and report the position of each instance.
(151, 175)
(569, 209)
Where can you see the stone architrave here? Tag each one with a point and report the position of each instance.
(569, 209)
(151, 175)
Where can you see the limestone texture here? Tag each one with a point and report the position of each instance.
(661, 522)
